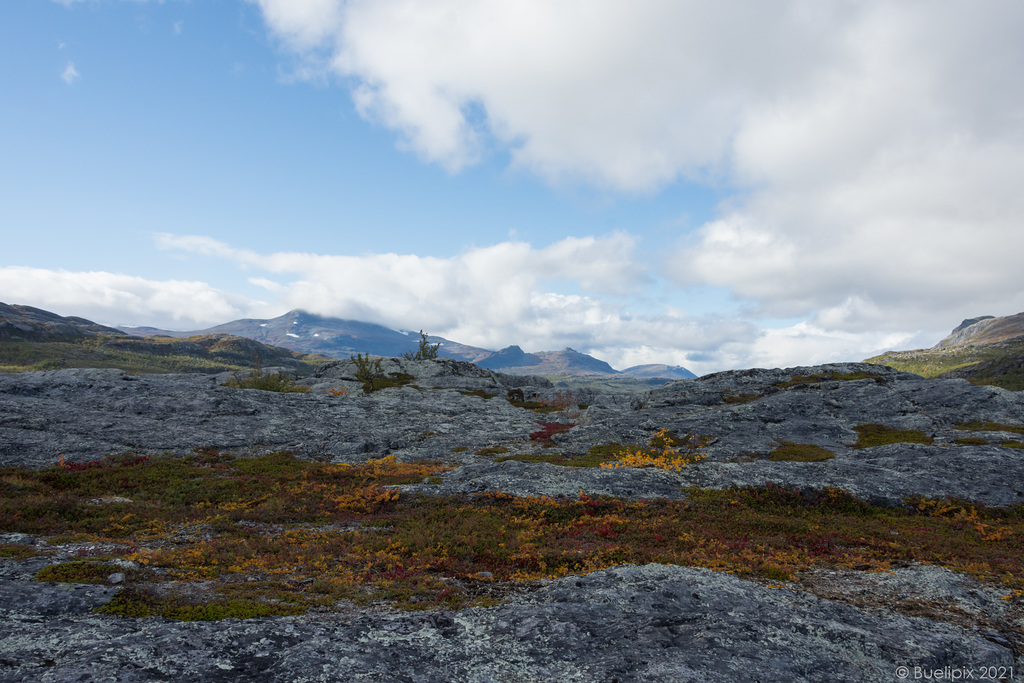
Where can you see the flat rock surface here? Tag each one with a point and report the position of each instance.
(649, 623)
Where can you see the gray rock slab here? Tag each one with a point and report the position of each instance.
(649, 623)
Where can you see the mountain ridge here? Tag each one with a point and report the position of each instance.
(305, 332)
(983, 350)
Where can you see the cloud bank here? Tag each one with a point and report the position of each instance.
(489, 297)
(874, 148)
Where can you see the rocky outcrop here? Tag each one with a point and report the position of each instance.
(82, 414)
(649, 623)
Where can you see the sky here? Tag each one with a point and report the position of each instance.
(715, 185)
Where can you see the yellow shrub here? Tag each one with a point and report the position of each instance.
(661, 452)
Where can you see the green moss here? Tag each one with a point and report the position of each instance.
(871, 435)
(800, 452)
(480, 393)
(492, 450)
(1011, 444)
(733, 398)
(77, 571)
(989, 426)
(460, 449)
(135, 603)
(17, 551)
(971, 441)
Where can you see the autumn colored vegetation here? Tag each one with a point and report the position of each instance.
(210, 535)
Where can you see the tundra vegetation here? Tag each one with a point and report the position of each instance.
(212, 536)
(201, 354)
(425, 351)
(264, 381)
(999, 364)
(373, 377)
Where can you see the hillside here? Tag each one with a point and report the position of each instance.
(984, 350)
(334, 337)
(32, 339)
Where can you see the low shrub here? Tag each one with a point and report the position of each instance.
(77, 571)
(258, 379)
(817, 378)
(664, 451)
(222, 537)
(426, 350)
(548, 430)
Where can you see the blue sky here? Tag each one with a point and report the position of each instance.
(745, 184)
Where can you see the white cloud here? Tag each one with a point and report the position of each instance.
(495, 296)
(177, 27)
(880, 143)
(625, 95)
(887, 189)
(116, 299)
(70, 73)
(487, 291)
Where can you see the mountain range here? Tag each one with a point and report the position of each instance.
(36, 337)
(338, 338)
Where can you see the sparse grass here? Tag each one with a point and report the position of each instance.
(1011, 444)
(479, 393)
(817, 378)
(218, 537)
(789, 451)
(879, 435)
(971, 441)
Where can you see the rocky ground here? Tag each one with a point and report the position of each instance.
(627, 623)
